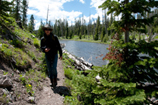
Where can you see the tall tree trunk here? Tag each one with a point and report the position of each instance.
(0, 7)
(127, 26)
(126, 35)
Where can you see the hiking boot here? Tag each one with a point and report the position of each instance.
(55, 81)
(52, 81)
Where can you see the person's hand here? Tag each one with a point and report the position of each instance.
(60, 58)
(47, 49)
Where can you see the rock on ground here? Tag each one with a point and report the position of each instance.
(5, 82)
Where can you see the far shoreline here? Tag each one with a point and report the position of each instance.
(89, 41)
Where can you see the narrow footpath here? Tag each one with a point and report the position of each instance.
(50, 96)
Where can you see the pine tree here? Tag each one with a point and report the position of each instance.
(17, 11)
(98, 25)
(31, 25)
(125, 80)
(80, 36)
(129, 79)
(5, 7)
(96, 37)
(59, 28)
(96, 34)
(55, 27)
(71, 34)
(50, 23)
(24, 13)
(67, 30)
(103, 33)
(40, 30)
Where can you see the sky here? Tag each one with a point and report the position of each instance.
(63, 9)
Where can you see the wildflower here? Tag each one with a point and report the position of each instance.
(29, 85)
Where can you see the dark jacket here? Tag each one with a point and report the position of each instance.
(51, 42)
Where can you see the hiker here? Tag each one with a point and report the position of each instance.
(50, 46)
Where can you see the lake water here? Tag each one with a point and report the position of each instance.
(89, 51)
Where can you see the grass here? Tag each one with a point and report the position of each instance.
(156, 37)
(36, 43)
(70, 72)
(4, 99)
(86, 39)
(90, 38)
(32, 76)
(13, 51)
(17, 43)
(17, 53)
(32, 55)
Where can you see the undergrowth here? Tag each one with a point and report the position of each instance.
(32, 76)
(15, 55)
(125, 80)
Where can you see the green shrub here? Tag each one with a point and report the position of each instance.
(32, 55)
(69, 100)
(16, 55)
(106, 38)
(23, 79)
(28, 86)
(36, 43)
(121, 82)
(29, 89)
(80, 36)
(17, 43)
(5, 51)
(69, 73)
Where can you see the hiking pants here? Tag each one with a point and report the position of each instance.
(52, 67)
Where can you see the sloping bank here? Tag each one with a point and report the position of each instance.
(22, 70)
(79, 80)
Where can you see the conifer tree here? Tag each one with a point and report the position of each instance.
(31, 25)
(96, 34)
(40, 30)
(17, 11)
(71, 34)
(96, 37)
(80, 36)
(129, 78)
(55, 27)
(67, 30)
(24, 12)
(59, 28)
(103, 33)
(5, 7)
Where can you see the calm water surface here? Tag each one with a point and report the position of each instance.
(89, 51)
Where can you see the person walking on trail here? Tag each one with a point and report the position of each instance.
(50, 46)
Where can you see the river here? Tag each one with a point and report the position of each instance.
(89, 51)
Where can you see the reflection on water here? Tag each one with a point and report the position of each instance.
(89, 51)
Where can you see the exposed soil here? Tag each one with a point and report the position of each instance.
(44, 95)
(50, 96)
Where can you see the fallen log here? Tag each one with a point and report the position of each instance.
(79, 63)
(62, 45)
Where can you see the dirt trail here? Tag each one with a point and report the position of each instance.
(50, 96)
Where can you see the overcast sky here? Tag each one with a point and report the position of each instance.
(63, 9)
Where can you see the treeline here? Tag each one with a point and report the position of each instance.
(96, 29)
(18, 10)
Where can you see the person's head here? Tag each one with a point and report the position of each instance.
(47, 29)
